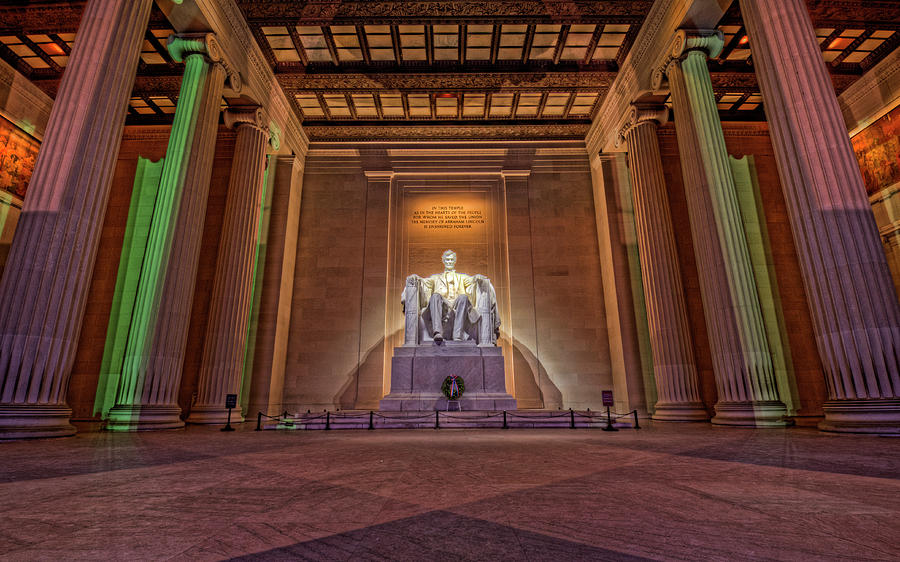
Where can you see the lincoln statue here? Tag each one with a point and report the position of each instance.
(450, 306)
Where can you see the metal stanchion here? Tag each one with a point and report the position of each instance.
(437, 423)
(636, 426)
(504, 420)
(571, 418)
(327, 420)
(609, 425)
(259, 421)
(371, 416)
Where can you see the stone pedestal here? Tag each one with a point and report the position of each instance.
(417, 374)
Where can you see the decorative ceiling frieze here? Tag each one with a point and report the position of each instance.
(380, 11)
(346, 132)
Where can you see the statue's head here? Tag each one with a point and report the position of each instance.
(449, 259)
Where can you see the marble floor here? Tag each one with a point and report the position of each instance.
(665, 492)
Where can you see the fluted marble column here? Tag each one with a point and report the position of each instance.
(856, 315)
(670, 338)
(47, 276)
(151, 372)
(745, 378)
(226, 332)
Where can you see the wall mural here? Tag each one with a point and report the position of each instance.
(18, 153)
(877, 149)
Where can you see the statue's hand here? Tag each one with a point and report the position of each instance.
(413, 280)
(479, 278)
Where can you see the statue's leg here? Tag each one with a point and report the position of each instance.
(461, 312)
(436, 311)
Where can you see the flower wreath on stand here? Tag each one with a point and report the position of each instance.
(453, 387)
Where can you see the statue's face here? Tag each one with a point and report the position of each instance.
(449, 260)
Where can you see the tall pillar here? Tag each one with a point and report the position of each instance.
(270, 355)
(47, 276)
(670, 339)
(151, 372)
(745, 378)
(855, 311)
(226, 331)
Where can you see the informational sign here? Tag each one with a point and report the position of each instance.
(607, 397)
(231, 400)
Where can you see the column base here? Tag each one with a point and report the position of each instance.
(210, 414)
(862, 416)
(768, 413)
(26, 421)
(680, 412)
(144, 418)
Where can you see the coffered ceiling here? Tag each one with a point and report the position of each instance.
(365, 68)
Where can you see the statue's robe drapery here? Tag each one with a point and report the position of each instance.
(450, 284)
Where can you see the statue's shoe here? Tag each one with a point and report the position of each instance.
(438, 338)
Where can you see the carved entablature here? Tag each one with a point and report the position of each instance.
(402, 11)
(338, 132)
(489, 81)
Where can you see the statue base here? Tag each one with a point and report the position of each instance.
(417, 373)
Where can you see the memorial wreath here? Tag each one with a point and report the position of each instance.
(453, 387)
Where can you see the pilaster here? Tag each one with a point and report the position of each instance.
(226, 333)
(674, 369)
(855, 311)
(742, 363)
(48, 272)
(154, 355)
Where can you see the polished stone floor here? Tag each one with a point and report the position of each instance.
(666, 492)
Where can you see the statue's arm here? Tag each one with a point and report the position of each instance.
(411, 281)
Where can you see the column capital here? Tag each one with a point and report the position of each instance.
(710, 42)
(640, 114)
(256, 117)
(183, 45)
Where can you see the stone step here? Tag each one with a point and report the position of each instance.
(448, 420)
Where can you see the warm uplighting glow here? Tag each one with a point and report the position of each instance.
(744, 40)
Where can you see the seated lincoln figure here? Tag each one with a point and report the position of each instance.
(450, 306)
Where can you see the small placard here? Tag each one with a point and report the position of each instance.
(607, 397)
(231, 400)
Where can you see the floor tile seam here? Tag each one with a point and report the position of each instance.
(125, 470)
(687, 454)
(777, 515)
